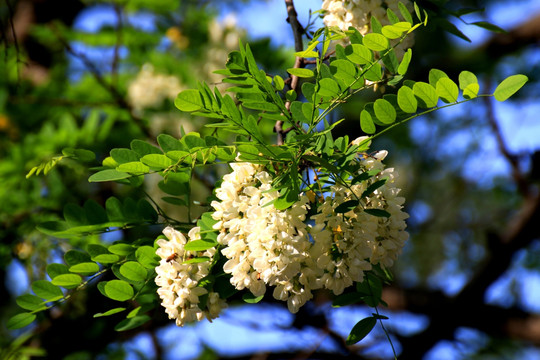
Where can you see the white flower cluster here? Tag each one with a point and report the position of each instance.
(358, 13)
(265, 246)
(178, 282)
(150, 89)
(286, 249)
(347, 244)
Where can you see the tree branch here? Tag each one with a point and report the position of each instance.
(298, 32)
(120, 100)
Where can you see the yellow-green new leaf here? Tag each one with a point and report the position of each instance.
(406, 100)
(376, 42)
(509, 86)
(447, 90)
(67, 281)
(426, 93)
(404, 65)
(366, 122)
(384, 111)
(466, 78)
(471, 91)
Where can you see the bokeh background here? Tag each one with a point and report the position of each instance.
(97, 74)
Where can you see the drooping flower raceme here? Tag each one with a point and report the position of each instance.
(263, 245)
(349, 242)
(178, 281)
(358, 13)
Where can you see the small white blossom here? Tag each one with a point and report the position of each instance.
(358, 13)
(178, 282)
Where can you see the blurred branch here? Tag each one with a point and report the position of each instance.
(14, 39)
(116, 56)
(512, 159)
(120, 100)
(468, 307)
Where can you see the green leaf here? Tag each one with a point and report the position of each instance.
(251, 299)
(489, 26)
(75, 215)
(300, 72)
(287, 198)
(384, 111)
(113, 207)
(199, 245)
(466, 78)
(134, 271)
(20, 320)
(74, 257)
(133, 167)
(377, 42)
(67, 281)
(45, 290)
(358, 54)
(110, 312)
(95, 214)
(377, 212)
(404, 65)
(391, 15)
(344, 70)
(346, 206)
(168, 143)
(96, 249)
(128, 324)
(406, 100)
(279, 83)
(108, 175)
(366, 122)
(371, 188)
(447, 90)
(122, 156)
(471, 91)
(86, 268)
(147, 257)
(106, 258)
(435, 75)
(30, 302)
(396, 30)
(405, 12)
(121, 249)
(56, 269)
(509, 86)
(374, 73)
(347, 299)
(189, 100)
(426, 94)
(118, 290)
(157, 161)
(361, 330)
(197, 260)
(143, 148)
(328, 87)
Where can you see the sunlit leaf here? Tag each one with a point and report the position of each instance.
(509, 86)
